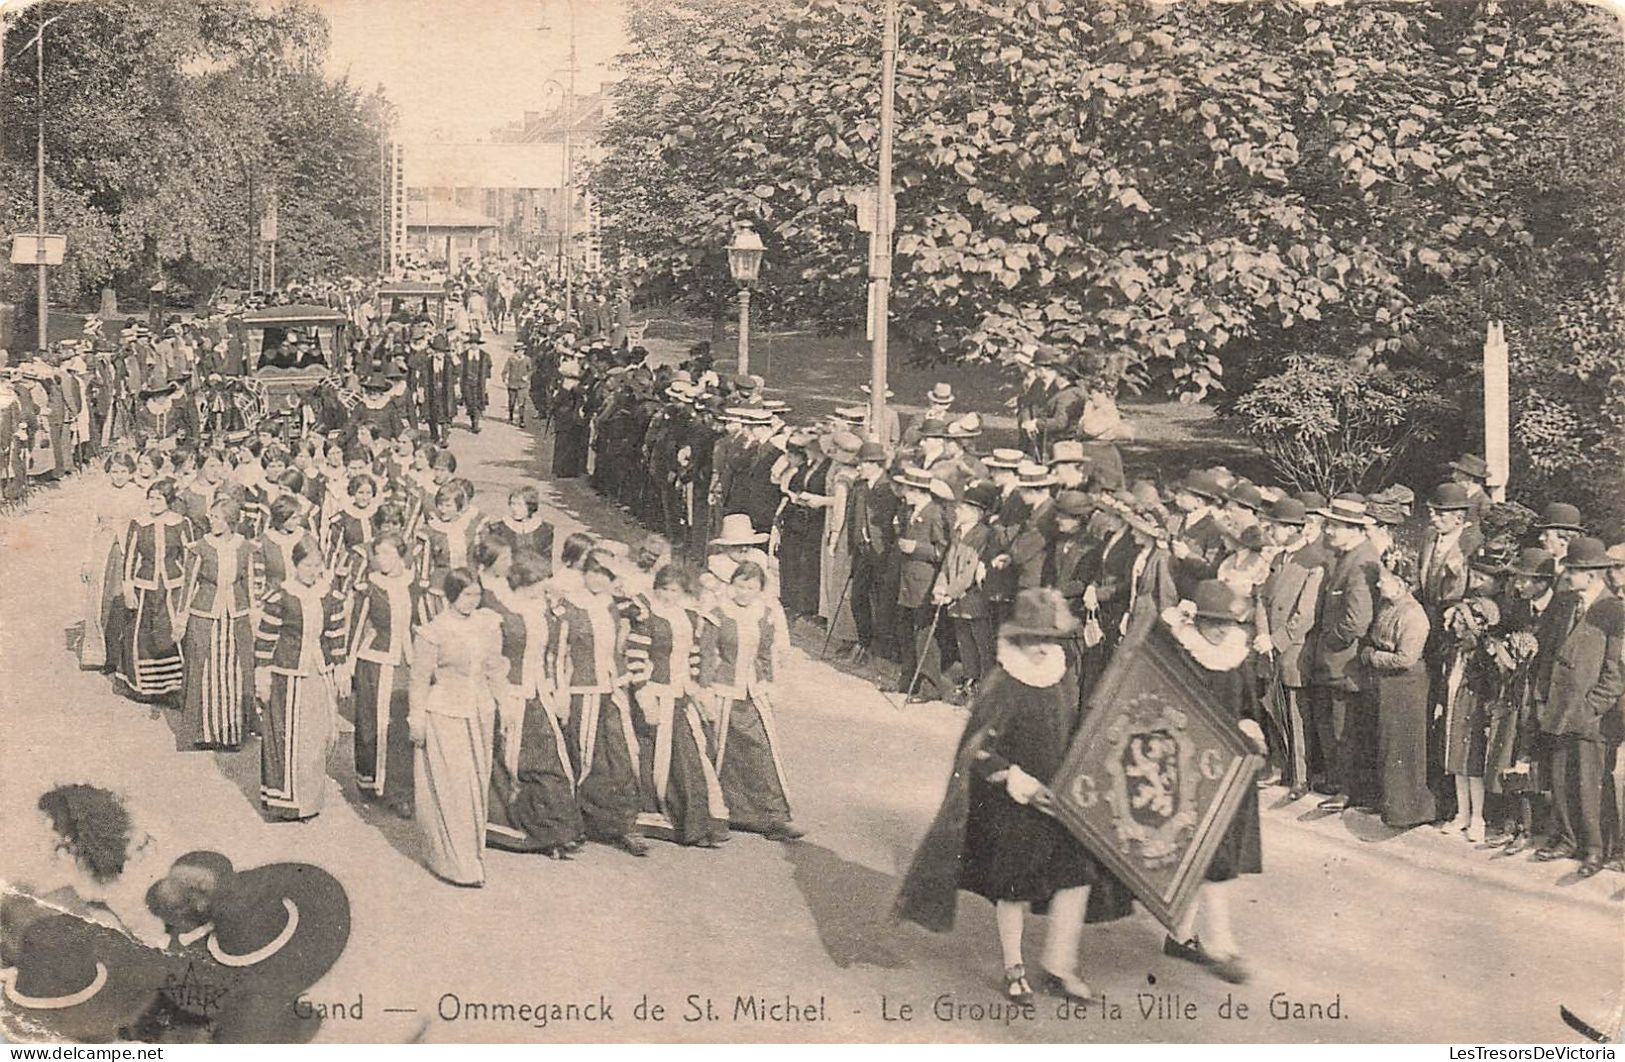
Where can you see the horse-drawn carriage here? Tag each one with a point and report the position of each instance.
(288, 352)
(407, 299)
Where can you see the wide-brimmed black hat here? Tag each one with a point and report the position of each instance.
(1040, 612)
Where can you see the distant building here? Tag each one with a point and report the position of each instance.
(446, 230)
(471, 199)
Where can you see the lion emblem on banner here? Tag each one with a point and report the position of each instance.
(1151, 762)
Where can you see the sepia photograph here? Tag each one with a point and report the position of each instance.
(914, 522)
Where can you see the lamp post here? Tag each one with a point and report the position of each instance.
(745, 263)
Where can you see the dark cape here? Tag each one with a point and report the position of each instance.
(929, 894)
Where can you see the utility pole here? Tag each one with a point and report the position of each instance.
(41, 296)
(569, 169)
(880, 256)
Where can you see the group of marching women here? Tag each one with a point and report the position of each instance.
(503, 688)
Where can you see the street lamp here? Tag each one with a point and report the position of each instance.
(745, 263)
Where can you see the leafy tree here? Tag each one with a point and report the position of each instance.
(158, 116)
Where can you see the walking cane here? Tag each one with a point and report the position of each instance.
(839, 601)
(919, 663)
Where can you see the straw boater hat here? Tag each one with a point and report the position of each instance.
(865, 389)
(852, 415)
(913, 476)
(1032, 474)
(1004, 458)
(1348, 509)
(737, 530)
(941, 394)
(1040, 612)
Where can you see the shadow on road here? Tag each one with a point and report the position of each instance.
(848, 902)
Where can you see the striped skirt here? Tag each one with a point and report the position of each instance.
(383, 743)
(682, 798)
(153, 661)
(218, 680)
(604, 749)
(300, 723)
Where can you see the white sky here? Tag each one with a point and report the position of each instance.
(457, 69)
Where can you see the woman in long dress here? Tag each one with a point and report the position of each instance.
(218, 650)
(586, 673)
(743, 651)
(385, 605)
(458, 675)
(801, 529)
(1392, 655)
(835, 571)
(533, 790)
(682, 796)
(154, 572)
(299, 643)
(103, 571)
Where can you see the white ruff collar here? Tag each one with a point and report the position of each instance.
(1040, 674)
(1227, 655)
(525, 526)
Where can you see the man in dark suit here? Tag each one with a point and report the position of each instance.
(475, 366)
(1344, 725)
(441, 377)
(867, 554)
(1577, 690)
(922, 542)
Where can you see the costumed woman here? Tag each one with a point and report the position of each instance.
(743, 651)
(273, 550)
(524, 528)
(299, 643)
(1212, 632)
(458, 675)
(446, 541)
(586, 673)
(149, 660)
(682, 796)
(218, 650)
(532, 805)
(381, 652)
(994, 834)
(106, 616)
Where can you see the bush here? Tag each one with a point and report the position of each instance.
(1336, 424)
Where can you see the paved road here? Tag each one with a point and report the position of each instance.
(1413, 937)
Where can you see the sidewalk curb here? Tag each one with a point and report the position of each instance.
(1426, 848)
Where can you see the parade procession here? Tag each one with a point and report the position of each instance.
(506, 587)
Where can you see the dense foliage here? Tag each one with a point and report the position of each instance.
(1196, 191)
(159, 115)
